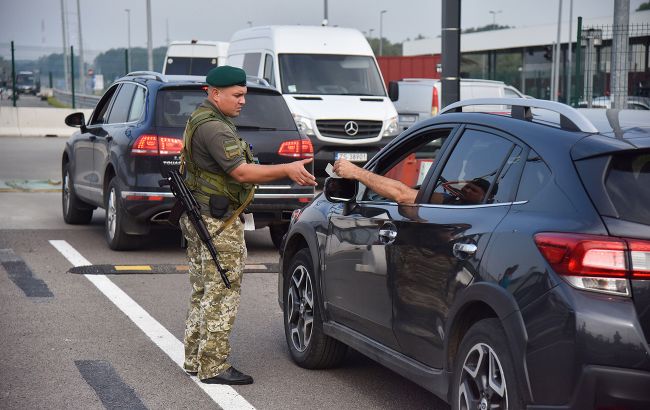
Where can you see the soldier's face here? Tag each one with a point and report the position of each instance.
(229, 100)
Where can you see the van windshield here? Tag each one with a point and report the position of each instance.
(325, 74)
(189, 65)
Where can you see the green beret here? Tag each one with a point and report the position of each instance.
(226, 76)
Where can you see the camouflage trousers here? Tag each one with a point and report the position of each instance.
(212, 306)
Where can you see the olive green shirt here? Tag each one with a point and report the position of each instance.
(215, 147)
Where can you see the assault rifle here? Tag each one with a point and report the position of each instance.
(185, 201)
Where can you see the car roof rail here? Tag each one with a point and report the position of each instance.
(153, 74)
(570, 118)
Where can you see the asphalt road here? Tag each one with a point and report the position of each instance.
(67, 342)
(23, 101)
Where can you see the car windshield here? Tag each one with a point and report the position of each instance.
(189, 65)
(325, 74)
(24, 79)
(262, 110)
(628, 186)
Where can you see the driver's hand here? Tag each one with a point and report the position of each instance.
(346, 169)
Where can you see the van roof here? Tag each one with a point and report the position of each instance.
(307, 39)
(196, 48)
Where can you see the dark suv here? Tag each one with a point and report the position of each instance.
(535, 293)
(134, 137)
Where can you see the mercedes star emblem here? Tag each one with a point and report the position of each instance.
(351, 128)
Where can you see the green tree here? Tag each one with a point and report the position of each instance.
(112, 63)
(644, 6)
(388, 48)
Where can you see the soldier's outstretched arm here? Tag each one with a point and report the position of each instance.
(256, 173)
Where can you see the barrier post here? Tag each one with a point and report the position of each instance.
(72, 74)
(13, 75)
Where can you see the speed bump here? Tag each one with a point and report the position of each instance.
(157, 269)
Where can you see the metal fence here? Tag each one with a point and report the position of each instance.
(594, 77)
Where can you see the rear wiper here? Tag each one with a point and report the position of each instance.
(255, 127)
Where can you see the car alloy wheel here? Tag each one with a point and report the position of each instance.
(300, 308)
(482, 380)
(111, 214)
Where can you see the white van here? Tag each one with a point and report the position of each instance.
(417, 99)
(332, 84)
(194, 57)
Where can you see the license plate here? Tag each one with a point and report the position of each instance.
(408, 118)
(352, 156)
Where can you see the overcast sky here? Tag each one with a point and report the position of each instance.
(33, 24)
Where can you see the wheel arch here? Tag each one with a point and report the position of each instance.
(481, 301)
(109, 173)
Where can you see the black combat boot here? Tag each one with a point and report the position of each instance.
(229, 376)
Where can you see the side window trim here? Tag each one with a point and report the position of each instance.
(109, 106)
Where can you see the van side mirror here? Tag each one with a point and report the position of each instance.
(76, 120)
(340, 189)
(393, 91)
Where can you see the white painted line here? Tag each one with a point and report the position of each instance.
(225, 396)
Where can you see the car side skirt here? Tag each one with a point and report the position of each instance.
(434, 380)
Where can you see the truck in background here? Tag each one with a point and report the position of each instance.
(331, 82)
(194, 57)
(27, 83)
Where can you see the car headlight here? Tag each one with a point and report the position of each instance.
(392, 129)
(304, 124)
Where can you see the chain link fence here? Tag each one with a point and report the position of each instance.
(594, 79)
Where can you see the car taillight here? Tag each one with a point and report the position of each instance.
(148, 144)
(434, 102)
(640, 259)
(596, 263)
(296, 149)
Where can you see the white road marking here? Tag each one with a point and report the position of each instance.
(225, 396)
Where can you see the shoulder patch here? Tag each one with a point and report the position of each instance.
(232, 148)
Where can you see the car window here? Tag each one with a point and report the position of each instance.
(268, 69)
(510, 93)
(252, 63)
(100, 114)
(506, 183)
(628, 186)
(120, 109)
(174, 105)
(410, 162)
(535, 176)
(137, 106)
(470, 172)
(262, 110)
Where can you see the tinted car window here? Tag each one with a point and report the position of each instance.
(535, 176)
(268, 69)
(262, 110)
(628, 186)
(122, 105)
(470, 172)
(137, 106)
(503, 190)
(100, 115)
(190, 65)
(252, 63)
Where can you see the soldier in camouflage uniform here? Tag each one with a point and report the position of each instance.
(221, 174)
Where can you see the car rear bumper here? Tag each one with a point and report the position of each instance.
(602, 387)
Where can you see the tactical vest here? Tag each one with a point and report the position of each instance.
(204, 183)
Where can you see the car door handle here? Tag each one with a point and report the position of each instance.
(464, 249)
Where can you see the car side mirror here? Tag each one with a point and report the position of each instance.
(340, 189)
(77, 120)
(393, 91)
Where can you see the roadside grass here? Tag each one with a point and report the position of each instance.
(56, 103)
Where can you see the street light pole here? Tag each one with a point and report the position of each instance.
(494, 18)
(149, 39)
(381, 32)
(128, 40)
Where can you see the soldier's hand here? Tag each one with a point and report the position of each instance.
(297, 172)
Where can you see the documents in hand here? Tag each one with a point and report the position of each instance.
(330, 171)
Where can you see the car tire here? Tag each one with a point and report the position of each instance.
(278, 230)
(75, 211)
(309, 346)
(116, 238)
(484, 372)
